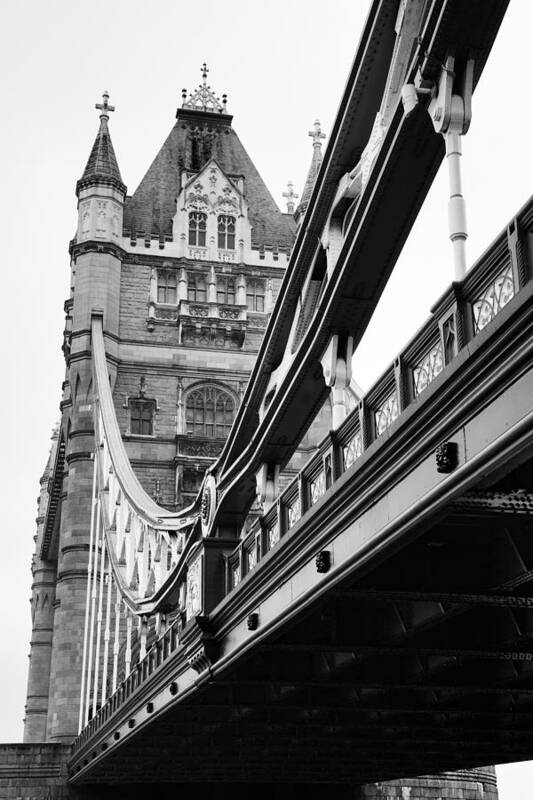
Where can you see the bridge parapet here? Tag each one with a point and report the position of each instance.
(461, 314)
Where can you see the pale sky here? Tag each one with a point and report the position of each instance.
(282, 64)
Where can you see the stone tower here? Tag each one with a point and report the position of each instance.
(184, 273)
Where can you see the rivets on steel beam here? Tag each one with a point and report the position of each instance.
(173, 688)
(149, 707)
(253, 621)
(94, 754)
(104, 746)
(323, 561)
(447, 457)
(131, 723)
(116, 736)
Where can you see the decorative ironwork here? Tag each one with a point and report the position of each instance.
(447, 457)
(294, 512)
(428, 368)
(317, 487)
(386, 413)
(352, 450)
(493, 299)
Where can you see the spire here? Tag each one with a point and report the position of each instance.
(204, 98)
(102, 165)
(316, 135)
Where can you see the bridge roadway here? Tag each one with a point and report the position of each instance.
(389, 631)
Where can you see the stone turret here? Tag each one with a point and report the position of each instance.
(100, 190)
(96, 269)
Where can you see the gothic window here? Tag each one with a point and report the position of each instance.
(226, 291)
(196, 289)
(255, 295)
(226, 232)
(166, 286)
(142, 417)
(209, 412)
(197, 228)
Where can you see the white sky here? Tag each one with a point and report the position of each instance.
(282, 63)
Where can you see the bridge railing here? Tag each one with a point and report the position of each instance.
(462, 313)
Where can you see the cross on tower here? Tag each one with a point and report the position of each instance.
(317, 134)
(205, 70)
(290, 195)
(104, 107)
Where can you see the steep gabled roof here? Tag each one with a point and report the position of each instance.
(197, 137)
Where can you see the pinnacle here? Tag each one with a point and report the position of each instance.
(102, 163)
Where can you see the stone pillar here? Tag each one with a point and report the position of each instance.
(97, 287)
(42, 606)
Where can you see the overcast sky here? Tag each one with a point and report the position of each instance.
(282, 64)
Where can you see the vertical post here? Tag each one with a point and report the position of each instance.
(116, 641)
(456, 205)
(107, 632)
(143, 630)
(93, 611)
(129, 623)
(88, 598)
(99, 624)
(336, 364)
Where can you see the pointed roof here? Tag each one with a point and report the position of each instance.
(102, 165)
(203, 131)
(316, 134)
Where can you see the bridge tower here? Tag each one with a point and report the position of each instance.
(184, 274)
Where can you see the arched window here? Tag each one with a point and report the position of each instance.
(226, 232)
(255, 295)
(196, 288)
(209, 412)
(166, 286)
(226, 291)
(197, 228)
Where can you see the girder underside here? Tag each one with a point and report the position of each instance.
(422, 663)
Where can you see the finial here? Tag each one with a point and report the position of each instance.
(290, 195)
(204, 98)
(104, 106)
(316, 134)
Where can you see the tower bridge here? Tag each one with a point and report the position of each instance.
(259, 575)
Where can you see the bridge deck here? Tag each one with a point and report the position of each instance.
(389, 630)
